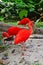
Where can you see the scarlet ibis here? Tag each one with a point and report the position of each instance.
(9, 35)
(24, 21)
(11, 31)
(14, 30)
(5, 34)
(23, 35)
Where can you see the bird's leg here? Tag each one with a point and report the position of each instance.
(23, 48)
(30, 40)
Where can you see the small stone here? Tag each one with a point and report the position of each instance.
(31, 40)
(13, 51)
(4, 58)
(23, 54)
(6, 54)
(22, 60)
(38, 45)
(31, 46)
(6, 62)
(16, 64)
(27, 62)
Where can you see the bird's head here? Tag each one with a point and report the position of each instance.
(32, 23)
(24, 21)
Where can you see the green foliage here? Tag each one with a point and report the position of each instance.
(20, 3)
(39, 24)
(23, 13)
(38, 64)
(4, 0)
(1, 18)
(34, 64)
(17, 9)
(12, 23)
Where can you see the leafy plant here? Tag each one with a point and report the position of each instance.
(1, 18)
(38, 64)
(17, 9)
(23, 13)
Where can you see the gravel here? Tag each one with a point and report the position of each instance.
(33, 54)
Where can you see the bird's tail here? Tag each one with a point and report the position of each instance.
(5, 34)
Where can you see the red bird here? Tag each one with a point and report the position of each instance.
(14, 30)
(11, 31)
(5, 34)
(24, 21)
(23, 35)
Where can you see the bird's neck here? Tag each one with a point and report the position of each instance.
(30, 28)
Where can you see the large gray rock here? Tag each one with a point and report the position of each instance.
(5, 26)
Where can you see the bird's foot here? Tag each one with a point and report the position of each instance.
(23, 54)
(24, 48)
(30, 40)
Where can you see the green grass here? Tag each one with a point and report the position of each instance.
(39, 24)
(12, 23)
(35, 64)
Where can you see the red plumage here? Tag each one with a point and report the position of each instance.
(4, 34)
(23, 34)
(14, 30)
(11, 31)
(24, 21)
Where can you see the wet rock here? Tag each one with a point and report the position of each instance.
(13, 51)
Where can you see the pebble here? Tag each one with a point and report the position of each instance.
(35, 49)
(13, 51)
(22, 60)
(4, 62)
(4, 58)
